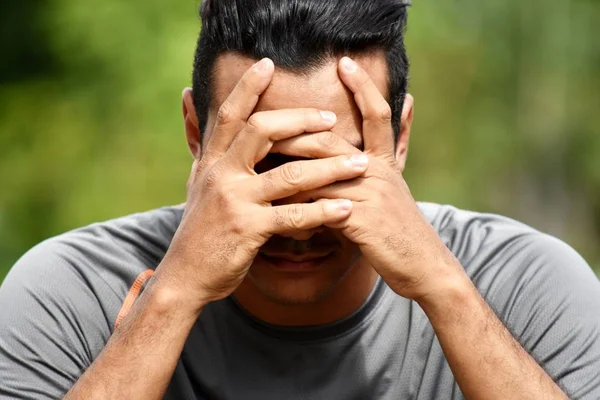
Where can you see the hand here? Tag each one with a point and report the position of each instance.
(228, 214)
(385, 222)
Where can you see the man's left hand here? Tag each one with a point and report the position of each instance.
(386, 222)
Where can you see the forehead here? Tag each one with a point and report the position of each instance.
(321, 88)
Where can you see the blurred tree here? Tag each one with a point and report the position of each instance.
(506, 93)
(25, 48)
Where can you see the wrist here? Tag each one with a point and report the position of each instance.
(167, 298)
(451, 292)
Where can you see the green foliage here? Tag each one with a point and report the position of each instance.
(507, 99)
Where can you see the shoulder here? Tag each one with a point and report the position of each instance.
(491, 242)
(508, 260)
(539, 286)
(528, 277)
(61, 300)
(101, 260)
(458, 227)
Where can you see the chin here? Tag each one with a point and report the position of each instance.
(297, 288)
(295, 295)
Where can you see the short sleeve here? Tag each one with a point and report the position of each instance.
(550, 300)
(52, 325)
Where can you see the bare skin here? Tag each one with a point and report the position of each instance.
(231, 205)
(231, 212)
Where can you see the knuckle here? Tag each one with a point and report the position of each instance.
(326, 210)
(278, 219)
(292, 174)
(228, 206)
(212, 178)
(204, 163)
(255, 123)
(385, 112)
(226, 113)
(238, 225)
(226, 198)
(328, 139)
(296, 215)
(377, 197)
(268, 180)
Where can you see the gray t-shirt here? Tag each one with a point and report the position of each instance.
(60, 302)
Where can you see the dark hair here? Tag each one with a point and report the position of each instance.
(299, 36)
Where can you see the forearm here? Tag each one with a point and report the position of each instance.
(487, 362)
(140, 357)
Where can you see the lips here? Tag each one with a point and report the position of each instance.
(287, 254)
(295, 257)
(295, 263)
(318, 245)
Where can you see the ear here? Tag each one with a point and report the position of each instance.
(405, 125)
(192, 130)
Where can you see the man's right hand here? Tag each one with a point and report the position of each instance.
(228, 214)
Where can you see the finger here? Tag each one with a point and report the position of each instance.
(315, 145)
(363, 188)
(263, 128)
(354, 190)
(237, 108)
(378, 133)
(297, 176)
(193, 174)
(291, 217)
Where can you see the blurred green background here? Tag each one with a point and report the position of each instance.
(507, 112)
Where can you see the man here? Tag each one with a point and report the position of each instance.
(300, 266)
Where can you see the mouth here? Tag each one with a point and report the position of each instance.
(295, 262)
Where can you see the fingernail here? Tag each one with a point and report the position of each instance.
(342, 206)
(358, 161)
(263, 65)
(328, 116)
(349, 65)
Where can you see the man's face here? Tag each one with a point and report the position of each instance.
(321, 89)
